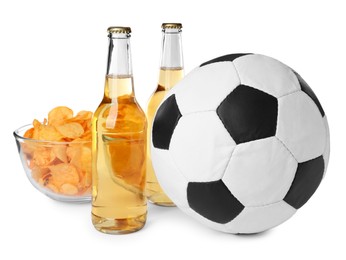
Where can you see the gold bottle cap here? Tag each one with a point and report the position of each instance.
(119, 29)
(172, 26)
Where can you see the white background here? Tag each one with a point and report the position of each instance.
(54, 53)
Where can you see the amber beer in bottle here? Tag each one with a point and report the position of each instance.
(119, 146)
(171, 71)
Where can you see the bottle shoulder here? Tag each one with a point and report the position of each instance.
(120, 116)
(156, 99)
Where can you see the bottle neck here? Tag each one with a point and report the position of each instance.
(119, 83)
(119, 55)
(172, 63)
(172, 53)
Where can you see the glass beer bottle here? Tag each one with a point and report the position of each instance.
(119, 146)
(171, 71)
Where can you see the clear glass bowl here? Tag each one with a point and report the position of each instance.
(60, 170)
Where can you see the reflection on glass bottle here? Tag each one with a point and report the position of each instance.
(119, 146)
(171, 71)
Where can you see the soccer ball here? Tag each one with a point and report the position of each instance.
(241, 143)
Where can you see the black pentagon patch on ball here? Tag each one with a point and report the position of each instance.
(306, 181)
(229, 57)
(249, 114)
(307, 90)
(213, 200)
(166, 119)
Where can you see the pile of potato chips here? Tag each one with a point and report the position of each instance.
(58, 151)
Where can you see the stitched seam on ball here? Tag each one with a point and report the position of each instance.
(291, 80)
(181, 174)
(176, 165)
(265, 205)
(295, 172)
(292, 179)
(287, 148)
(327, 134)
(326, 145)
(311, 101)
(236, 70)
(296, 91)
(229, 161)
(197, 112)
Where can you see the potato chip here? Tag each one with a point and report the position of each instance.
(58, 115)
(76, 160)
(73, 150)
(71, 130)
(68, 189)
(52, 188)
(29, 133)
(64, 173)
(28, 148)
(37, 126)
(49, 133)
(85, 115)
(36, 123)
(55, 160)
(38, 172)
(45, 132)
(86, 136)
(44, 180)
(31, 164)
(60, 152)
(41, 156)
